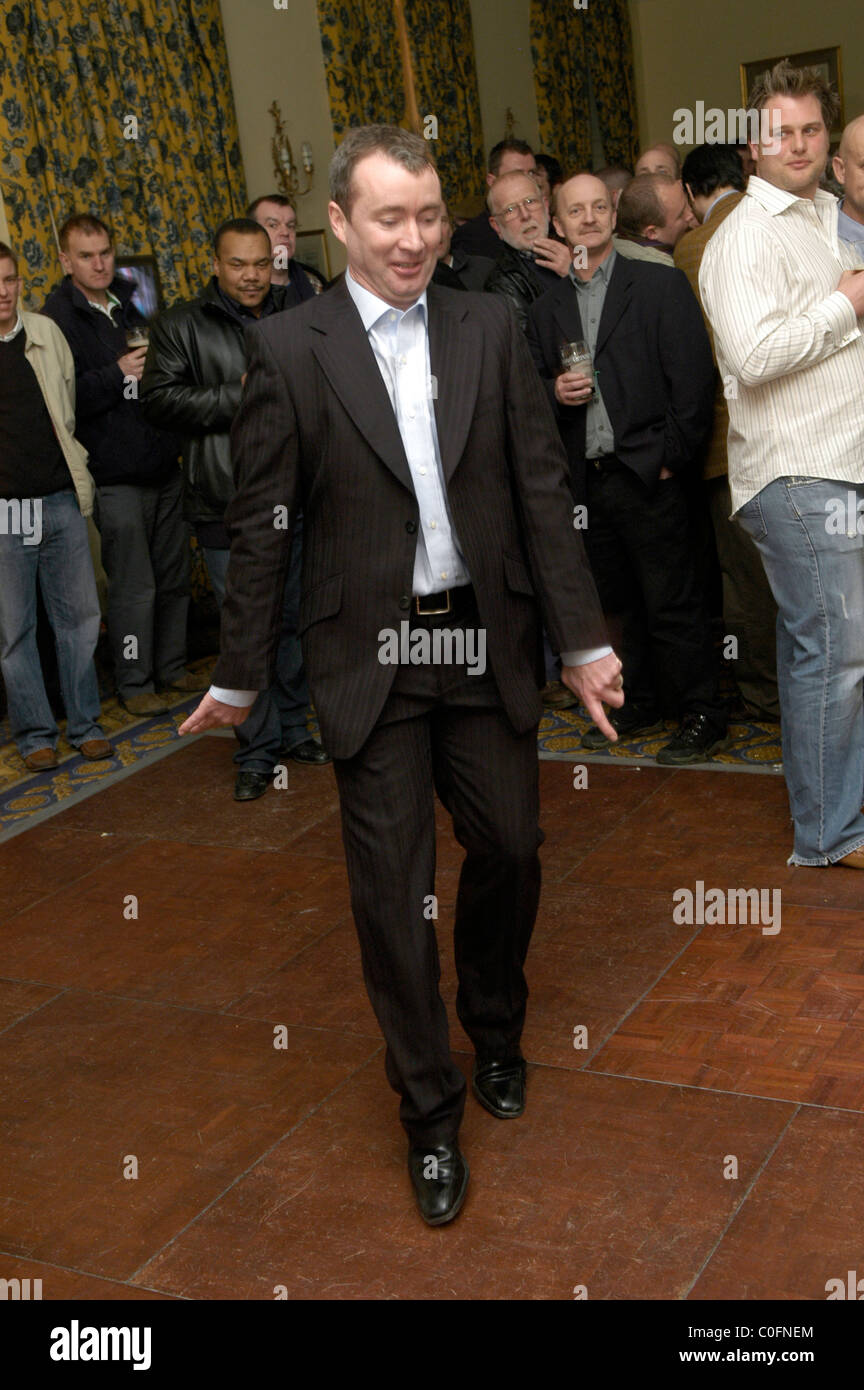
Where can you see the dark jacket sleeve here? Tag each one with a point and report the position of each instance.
(688, 368)
(503, 281)
(533, 331)
(265, 451)
(562, 577)
(169, 394)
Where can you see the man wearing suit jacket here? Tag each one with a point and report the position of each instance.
(412, 428)
(629, 442)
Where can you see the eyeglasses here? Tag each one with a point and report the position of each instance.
(512, 209)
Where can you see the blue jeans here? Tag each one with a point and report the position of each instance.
(63, 569)
(817, 578)
(277, 720)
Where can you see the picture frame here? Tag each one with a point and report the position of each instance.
(145, 272)
(827, 60)
(312, 251)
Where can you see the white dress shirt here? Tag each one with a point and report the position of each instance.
(7, 337)
(789, 345)
(399, 339)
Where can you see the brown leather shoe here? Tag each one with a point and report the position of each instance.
(147, 703)
(853, 860)
(41, 760)
(96, 750)
(191, 683)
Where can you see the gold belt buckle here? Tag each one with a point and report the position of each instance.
(430, 612)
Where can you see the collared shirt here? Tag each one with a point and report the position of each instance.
(850, 231)
(719, 199)
(599, 435)
(399, 339)
(107, 309)
(7, 337)
(789, 347)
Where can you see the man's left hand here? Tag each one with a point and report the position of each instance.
(594, 682)
(552, 255)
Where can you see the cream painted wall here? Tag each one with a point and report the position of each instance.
(505, 74)
(688, 50)
(276, 55)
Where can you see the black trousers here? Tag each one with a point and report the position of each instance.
(641, 552)
(442, 730)
(145, 554)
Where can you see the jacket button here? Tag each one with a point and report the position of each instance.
(410, 527)
(405, 601)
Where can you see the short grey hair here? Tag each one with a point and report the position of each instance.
(402, 146)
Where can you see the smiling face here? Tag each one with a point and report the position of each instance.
(242, 267)
(585, 215)
(89, 259)
(9, 287)
(393, 232)
(799, 162)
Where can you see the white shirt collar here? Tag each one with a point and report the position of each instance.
(7, 337)
(776, 200)
(371, 308)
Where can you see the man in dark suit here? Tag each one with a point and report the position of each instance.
(412, 428)
(630, 439)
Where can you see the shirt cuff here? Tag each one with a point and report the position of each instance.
(842, 320)
(238, 698)
(582, 658)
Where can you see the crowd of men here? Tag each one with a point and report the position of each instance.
(646, 439)
(650, 356)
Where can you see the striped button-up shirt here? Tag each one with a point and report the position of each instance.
(789, 346)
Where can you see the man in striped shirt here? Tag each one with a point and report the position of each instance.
(786, 307)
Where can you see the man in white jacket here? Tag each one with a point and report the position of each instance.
(46, 492)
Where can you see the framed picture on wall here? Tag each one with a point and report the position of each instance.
(826, 61)
(312, 251)
(145, 272)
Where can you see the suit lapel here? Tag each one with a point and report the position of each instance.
(455, 356)
(566, 312)
(618, 293)
(344, 354)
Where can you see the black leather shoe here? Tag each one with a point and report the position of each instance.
(309, 752)
(694, 742)
(500, 1086)
(440, 1177)
(628, 721)
(250, 785)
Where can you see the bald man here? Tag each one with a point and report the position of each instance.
(631, 435)
(659, 159)
(848, 165)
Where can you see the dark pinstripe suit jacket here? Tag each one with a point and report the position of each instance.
(316, 431)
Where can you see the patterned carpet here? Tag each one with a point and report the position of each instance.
(24, 794)
(752, 747)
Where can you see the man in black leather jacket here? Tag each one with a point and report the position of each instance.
(530, 261)
(192, 384)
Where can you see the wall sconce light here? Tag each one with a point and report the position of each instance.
(285, 170)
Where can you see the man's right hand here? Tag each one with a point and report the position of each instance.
(851, 283)
(132, 363)
(572, 388)
(212, 714)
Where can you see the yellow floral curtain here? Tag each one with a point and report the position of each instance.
(572, 48)
(360, 43)
(124, 111)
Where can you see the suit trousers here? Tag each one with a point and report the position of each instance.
(442, 730)
(641, 552)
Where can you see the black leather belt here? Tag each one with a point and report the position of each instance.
(446, 601)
